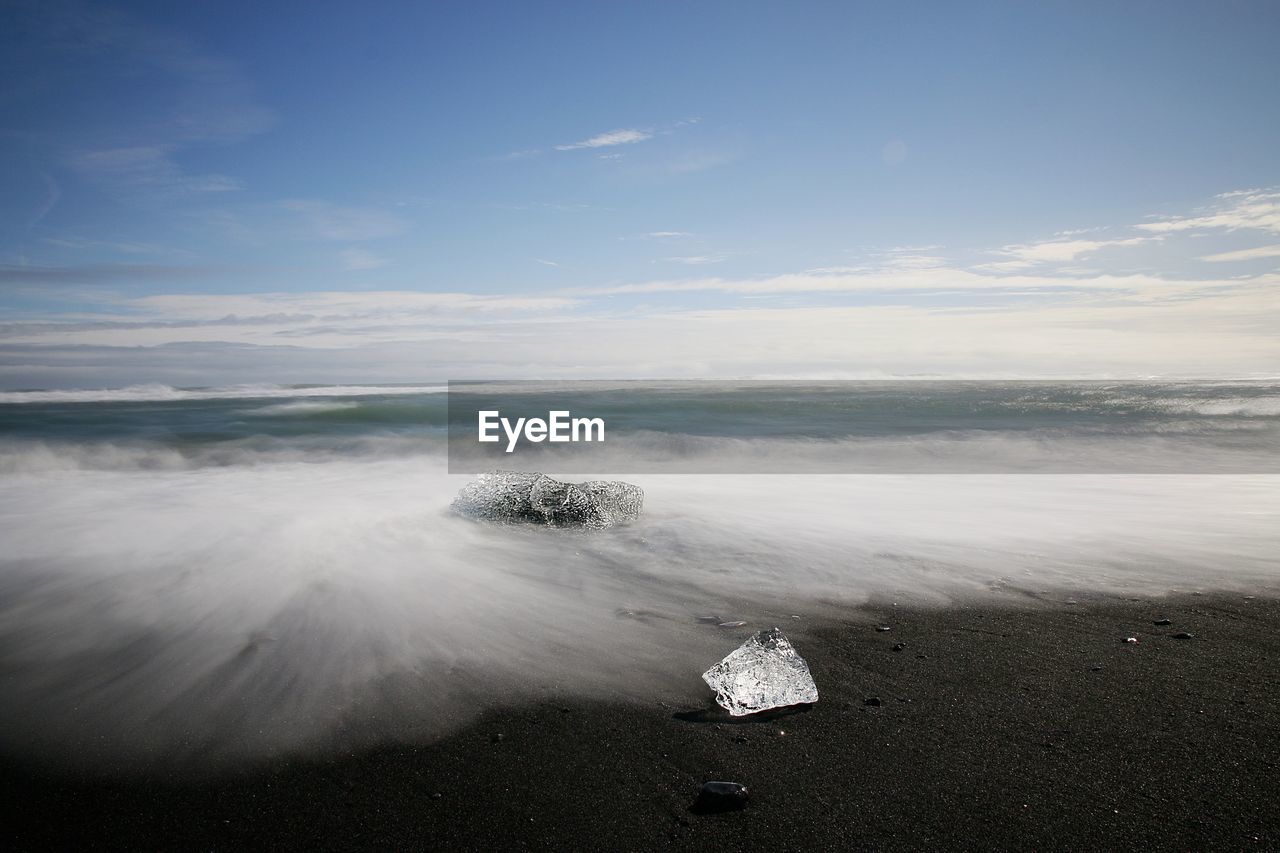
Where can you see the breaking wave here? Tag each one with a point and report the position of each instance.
(162, 393)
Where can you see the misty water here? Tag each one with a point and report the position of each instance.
(208, 576)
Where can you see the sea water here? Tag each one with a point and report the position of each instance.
(211, 575)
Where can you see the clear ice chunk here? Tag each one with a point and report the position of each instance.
(764, 672)
(513, 497)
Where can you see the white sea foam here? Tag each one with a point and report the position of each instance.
(301, 408)
(160, 393)
(236, 611)
(1251, 407)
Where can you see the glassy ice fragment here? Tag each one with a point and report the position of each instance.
(512, 496)
(764, 672)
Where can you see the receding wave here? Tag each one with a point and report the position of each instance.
(227, 613)
(161, 393)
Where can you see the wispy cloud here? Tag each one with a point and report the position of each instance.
(546, 263)
(195, 97)
(668, 235)
(891, 279)
(147, 170)
(1058, 251)
(626, 136)
(323, 220)
(103, 273)
(1243, 209)
(122, 247)
(1254, 254)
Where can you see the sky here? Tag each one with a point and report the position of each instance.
(208, 194)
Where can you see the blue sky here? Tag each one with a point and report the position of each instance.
(200, 194)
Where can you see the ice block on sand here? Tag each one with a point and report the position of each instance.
(531, 498)
(764, 672)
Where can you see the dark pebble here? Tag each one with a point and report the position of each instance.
(1183, 636)
(874, 701)
(721, 797)
(498, 738)
(1163, 622)
(897, 647)
(882, 627)
(1095, 669)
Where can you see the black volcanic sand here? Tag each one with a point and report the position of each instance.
(1024, 726)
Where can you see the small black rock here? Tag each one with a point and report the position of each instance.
(498, 738)
(1183, 636)
(1163, 622)
(882, 627)
(874, 701)
(897, 647)
(720, 797)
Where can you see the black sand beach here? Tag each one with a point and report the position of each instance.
(1027, 725)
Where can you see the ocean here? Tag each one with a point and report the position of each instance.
(207, 576)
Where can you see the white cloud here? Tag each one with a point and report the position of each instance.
(668, 235)
(416, 337)
(1057, 251)
(911, 311)
(1243, 209)
(1254, 254)
(931, 279)
(613, 137)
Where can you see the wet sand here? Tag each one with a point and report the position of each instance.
(1013, 725)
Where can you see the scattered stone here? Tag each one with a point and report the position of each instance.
(498, 738)
(873, 701)
(897, 647)
(1163, 622)
(882, 628)
(509, 497)
(1131, 640)
(738, 624)
(764, 672)
(1183, 635)
(1095, 669)
(721, 797)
